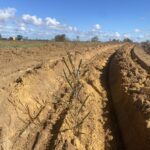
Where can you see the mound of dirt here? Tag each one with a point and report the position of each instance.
(94, 97)
(142, 57)
(34, 104)
(130, 90)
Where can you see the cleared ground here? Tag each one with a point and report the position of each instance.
(48, 103)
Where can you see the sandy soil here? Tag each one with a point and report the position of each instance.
(130, 88)
(31, 76)
(50, 100)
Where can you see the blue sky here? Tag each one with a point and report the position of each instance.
(86, 18)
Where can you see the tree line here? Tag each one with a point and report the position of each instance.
(64, 38)
(18, 37)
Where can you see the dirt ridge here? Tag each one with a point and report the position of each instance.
(142, 57)
(127, 79)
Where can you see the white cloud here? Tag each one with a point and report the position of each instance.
(36, 27)
(22, 26)
(6, 14)
(126, 35)
(32, 20)
(71, 29)
(137, 30)
(51, 21)
(96, 27)
(117, 34)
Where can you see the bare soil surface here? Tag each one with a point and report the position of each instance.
(96, 97)
(142, 57)
(130, 88)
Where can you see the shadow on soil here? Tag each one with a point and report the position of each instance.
(109, 113)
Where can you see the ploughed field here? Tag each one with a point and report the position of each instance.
(74, 96)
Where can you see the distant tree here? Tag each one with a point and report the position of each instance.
(115, 40)
(25, 38)
(146, 46)
(0, 36)
(127, 40)
(60, 38)
(95, 39)
(19, 37)
(145, 42)
(77, 38)
(10, 38)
